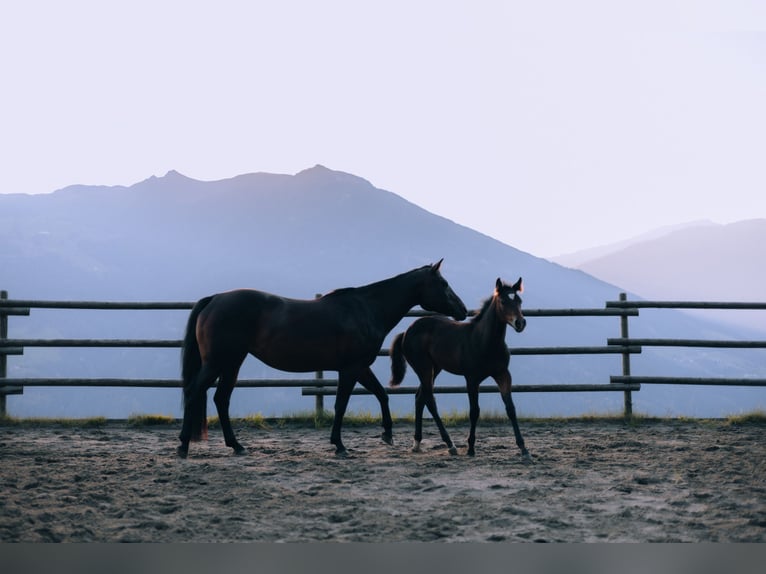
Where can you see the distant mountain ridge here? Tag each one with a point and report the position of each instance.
(175, 238)
(577, 258)
(705, 262)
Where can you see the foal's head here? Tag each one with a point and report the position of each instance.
(508, 304)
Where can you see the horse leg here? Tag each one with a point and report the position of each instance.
(430, 402)
(419, 406)
(222, 398)
(195, 401)
(346, 382)
(504, 384)
(370, 382)
(473, 414)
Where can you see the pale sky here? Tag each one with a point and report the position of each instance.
(551, 126)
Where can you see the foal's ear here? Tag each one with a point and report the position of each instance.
(518, 286)
(435, 266)
(498, 284)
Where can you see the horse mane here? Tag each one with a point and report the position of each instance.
(345, 290)
(484, 306)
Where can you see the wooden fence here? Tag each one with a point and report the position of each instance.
(320, 387)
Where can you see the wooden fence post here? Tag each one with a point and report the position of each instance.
(319, 398)
(3, 356)
(628, 408)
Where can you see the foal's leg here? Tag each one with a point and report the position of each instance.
(370, 382)
(420, 404)
(426, 373)
(221, 398)
(473, 414)
(430, 402)
(346, 382)
(504, 384)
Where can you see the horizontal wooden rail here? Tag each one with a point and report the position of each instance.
(146, 343)
(728, 344)
(157, 383)
(96, 305)
(613, 350)
(708, 381)
(13, 310)
(552, 388)
(10, 350)
(580, 312)
(747, 306)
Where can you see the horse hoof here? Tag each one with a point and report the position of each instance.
(526, 458)
(182, 452)
(240, 450)
(341, 453)
(453, 451)
(471, 452)
(388, 438)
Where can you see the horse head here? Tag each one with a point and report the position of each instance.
(508, 304)
(436, 294)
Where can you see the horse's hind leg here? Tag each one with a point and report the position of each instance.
(430, 402)
(420, 404)
(473, 415)
(370, 382)
(195, 406)
(222, 398)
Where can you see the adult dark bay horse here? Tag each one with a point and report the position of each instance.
(342, 331)
(476, 350)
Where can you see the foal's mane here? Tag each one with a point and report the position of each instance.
(487, 302)
(484, 306)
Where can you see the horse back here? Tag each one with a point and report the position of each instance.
(290, 334)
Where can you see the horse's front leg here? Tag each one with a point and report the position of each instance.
(473, 415)
(370, 382)
(346, 382)
(504, 384)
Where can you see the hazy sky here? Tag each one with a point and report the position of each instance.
(552, 126)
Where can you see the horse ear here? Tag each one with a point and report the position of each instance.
(519, 286)
(498, 284)
(436, 266)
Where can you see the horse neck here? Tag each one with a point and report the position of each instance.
(394, 297)
(489, 327)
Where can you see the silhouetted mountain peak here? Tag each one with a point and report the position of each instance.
(322, 175)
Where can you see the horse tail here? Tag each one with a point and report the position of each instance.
(195, 407)
(398, 362)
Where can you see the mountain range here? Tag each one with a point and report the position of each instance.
(173, 238)
(701, 261)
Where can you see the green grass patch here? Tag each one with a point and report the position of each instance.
(150, 420)
(90, 422)
(756, 417)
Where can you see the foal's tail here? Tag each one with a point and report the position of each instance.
(195, 403)
(398, 362)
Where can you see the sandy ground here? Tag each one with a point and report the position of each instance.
(591, 481)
